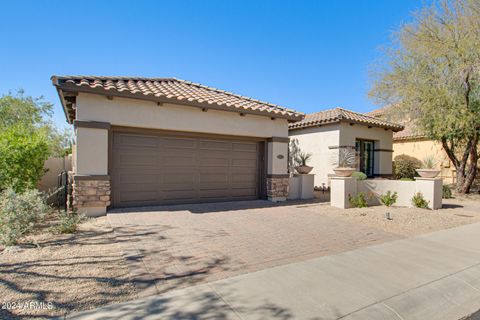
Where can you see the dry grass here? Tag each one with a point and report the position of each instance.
(72, 272)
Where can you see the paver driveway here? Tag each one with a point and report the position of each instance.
(171, 247)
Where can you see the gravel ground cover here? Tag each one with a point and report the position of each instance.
(51, 275)
(410, 221)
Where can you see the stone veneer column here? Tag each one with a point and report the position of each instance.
(277, 173)
(91, 182)
(91, 194)
(277, 188)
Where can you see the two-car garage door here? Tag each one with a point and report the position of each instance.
(152, 168)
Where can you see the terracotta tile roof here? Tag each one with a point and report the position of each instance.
(338, 115)
(174, 91)
(410, 131)
(379, 112)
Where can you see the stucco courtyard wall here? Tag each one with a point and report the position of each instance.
(301, 186)
(345, 187)
(54, 166)
(375, 188)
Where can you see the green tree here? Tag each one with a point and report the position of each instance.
(19, 109)
(431, 73)
(22, 156)
(27, 138)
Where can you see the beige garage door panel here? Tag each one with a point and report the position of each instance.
(150, 169)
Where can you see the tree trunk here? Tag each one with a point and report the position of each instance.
(468, 181)
(471, 173)
(460, 183)
(466, 167)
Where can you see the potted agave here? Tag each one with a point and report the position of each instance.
(345, 164)
(428, 169)
(302, 159)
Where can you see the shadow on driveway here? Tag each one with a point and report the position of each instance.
(219, 206)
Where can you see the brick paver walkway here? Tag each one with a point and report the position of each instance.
(178, 246)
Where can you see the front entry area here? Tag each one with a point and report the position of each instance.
(156, 168)
(364, 150)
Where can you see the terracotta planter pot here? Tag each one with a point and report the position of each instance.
(343, 172)
(428, 173)
(303, 169)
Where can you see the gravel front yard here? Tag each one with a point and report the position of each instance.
(64, 272)
(410, 221)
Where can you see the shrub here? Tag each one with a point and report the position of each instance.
(389, 198)
(404, 166)
(27, 138)
(359, 175)
(419, 201)
(406, 179)
(18, 214)
(68, 222)
(359, 201)
(446, 192)
(22, 157)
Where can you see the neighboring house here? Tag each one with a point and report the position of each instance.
(144, 141)
(411, 141)
(324, 133)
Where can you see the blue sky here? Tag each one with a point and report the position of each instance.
(306, 55)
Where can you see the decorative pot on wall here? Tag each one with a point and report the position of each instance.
(303, 169)
(428, 173)
(343, 172)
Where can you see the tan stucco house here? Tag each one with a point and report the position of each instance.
(323, 134)
(413, 142)
(152, 141)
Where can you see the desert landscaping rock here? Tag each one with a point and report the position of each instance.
(410, 221)
(73, 272)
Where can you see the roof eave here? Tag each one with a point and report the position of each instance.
(62, 99)
(393, 128)
(140, 96)
(411, 138)
(398, 129)
(382, 126)
(315, 124)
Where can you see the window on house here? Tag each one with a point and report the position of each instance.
(364, 150)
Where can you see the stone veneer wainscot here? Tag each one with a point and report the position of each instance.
(91, 191)
(277, 188)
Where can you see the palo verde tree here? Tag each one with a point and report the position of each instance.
(431, 73)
